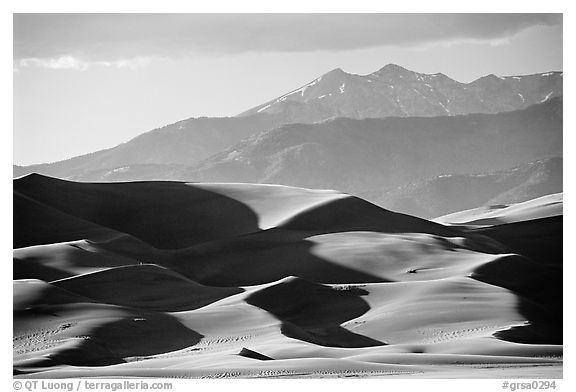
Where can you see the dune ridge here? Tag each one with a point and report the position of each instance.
(170, 279)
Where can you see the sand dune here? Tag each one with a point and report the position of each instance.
(542, 207)
(145, 286)
(33, 223)
(65, 259)
(179, 214)
(168, 279)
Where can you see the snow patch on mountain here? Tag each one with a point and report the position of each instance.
(444, 107)
(547, 96)
(263, 108)
(374, 92)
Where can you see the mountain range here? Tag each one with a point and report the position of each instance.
(359, 155)
(364, 134)
(445, 194)
(396, 91)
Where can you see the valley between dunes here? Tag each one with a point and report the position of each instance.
(194, 280)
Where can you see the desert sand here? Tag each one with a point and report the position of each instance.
(542, 207)
(172, 279)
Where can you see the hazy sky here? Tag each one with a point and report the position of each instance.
(83, 82)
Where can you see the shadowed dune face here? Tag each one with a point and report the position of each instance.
(165, 215)
(314, 313)
(532, 229)
(36, 224)
(541, 286)
(30, 293)
(263, 258)
(538, 239)
(141, 334)
(62, 260)
(353, 214)
(194, 280)
(83, 334)
(254, 355)
(145, 286)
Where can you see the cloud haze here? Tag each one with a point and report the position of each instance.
(73, 63)
(74, 41)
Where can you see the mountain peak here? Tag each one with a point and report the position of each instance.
(336, 72)
(392, 68)
(490, 78)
